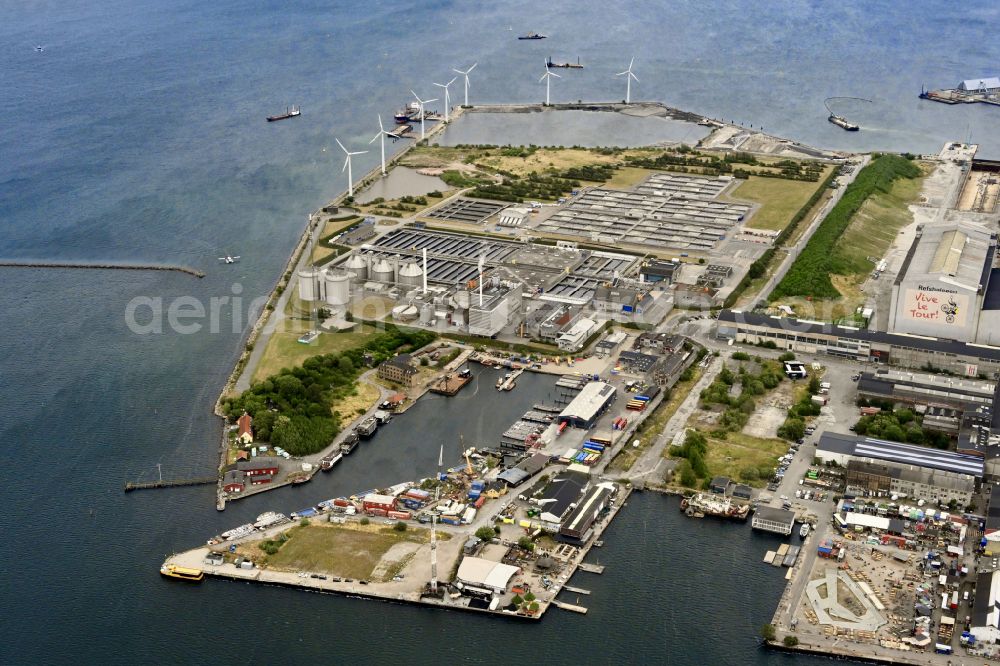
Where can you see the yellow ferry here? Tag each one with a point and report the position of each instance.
(184, 573)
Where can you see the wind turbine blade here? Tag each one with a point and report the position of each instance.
(555, 75)
(346, 162)
(340, 144)
(543, 77)
(451, 82)
(381, 128)
(473, 67)
(428, 101)
(633, 76)
(457, 71)
(415, 95)
(622, 73)
(376, 137)
(358, 152)
(630, 63)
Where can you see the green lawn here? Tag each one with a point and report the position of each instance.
(738, 452)
(780, 199)
(285, 351)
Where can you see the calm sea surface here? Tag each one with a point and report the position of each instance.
(138, 134)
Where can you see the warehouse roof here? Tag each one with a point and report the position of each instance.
(374, 498)
(589, 401)
(803, 327)
(906, 454)
(588, 506)
(775, 515)
(486, 573)
(985, 83)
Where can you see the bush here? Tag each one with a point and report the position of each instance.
(526, 543)
(486, 533)
(741, 356)
(364, 520)
(768, 632)
(400, 526)
(787, 356)
(791, 641)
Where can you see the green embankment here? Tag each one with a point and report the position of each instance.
(810, 274)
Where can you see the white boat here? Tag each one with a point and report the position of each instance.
(804, 530)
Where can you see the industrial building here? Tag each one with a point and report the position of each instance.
(578, 526)
(903, 350)
(985, 620)
(879, 466)
(941, 288)
(770, 519)
(524, 470)
(478, 575)
(494, 309)
(584, 410)
(943, 400)
(656, 270)
(573, 339)
(560, 496)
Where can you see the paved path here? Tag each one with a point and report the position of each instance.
(650, 459)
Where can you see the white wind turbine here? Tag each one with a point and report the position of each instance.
(347, 166)
(547, 77)
(422, 102)
(466, 75)
(381, 135)
(447, 96)
(628, 80)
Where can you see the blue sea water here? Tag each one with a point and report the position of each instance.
(138, 134)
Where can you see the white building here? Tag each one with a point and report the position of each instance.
(985, 85)
(485, 576)
(940, 288)
(500, 307)
(573, 339)
(584, 410)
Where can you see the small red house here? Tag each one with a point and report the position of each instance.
(378, 503)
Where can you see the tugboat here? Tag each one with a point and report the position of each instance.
(532, 35)
(289, 113)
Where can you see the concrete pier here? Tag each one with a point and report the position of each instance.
(101, 266)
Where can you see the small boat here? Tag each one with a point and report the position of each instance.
(804, 530)
(39, 48)
(367, 428)
(327, 462)
(532, 35)
(299, 480)
(407, 113)
(349, 443)
(843, 123)
(182, 573)
(289, 113)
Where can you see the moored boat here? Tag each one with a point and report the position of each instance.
(182, 573)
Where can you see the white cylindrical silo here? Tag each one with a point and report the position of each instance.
(357, 265)
(338, 287)
(426, 313)
(307, 284)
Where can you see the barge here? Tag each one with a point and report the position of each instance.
(350, 443)
(843, 123)
(290, 112)
(366, 429)
(701, 505)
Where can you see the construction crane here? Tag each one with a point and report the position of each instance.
(468, 460)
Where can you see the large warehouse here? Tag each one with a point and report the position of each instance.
(919, 472)
(942, 285)
(588, 405)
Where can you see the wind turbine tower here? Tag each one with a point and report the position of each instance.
(423, 113)
(466, 75)
(628, 80)
(347, 166)
(381, 135)
(447, 96)
(547, 77)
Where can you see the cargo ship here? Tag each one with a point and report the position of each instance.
(289, 113)
(182, 573)
(843, 123)
(564, 65)
(366, 429)
(532, 35)
(407, 113)
(327, 462)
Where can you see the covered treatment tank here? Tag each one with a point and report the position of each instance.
(307, 284)
(338, 287)
(404, 313)
(426, 313)
(411, 275)
(358, 265)
(382, 271)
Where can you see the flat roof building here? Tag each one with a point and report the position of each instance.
(485, 576)
(985, 621)
(875, 465)
(584, 410)
(770, 519)
(561, 495)
(573, 339)
(578, 526)
(501, 306)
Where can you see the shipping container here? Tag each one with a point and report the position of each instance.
(375, 511)
(399, 515)
(479, 502)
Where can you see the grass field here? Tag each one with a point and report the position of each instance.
(627, 177)
(285, 351)
(739, 452)
(544, 160)
(780, 199)
(350, 551)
